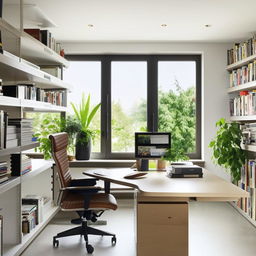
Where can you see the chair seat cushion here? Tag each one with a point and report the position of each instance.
(74, 201)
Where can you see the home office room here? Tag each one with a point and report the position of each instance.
(127, 128)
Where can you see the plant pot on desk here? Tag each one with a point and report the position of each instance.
(83, 146)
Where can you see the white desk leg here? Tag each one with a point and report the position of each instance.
(162, 228)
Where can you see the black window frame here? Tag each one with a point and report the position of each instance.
(152, 96)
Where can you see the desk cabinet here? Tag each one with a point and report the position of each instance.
(162, 229)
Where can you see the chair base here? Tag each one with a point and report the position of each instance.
(84, 231)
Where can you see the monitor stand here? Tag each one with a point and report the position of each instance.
(144, 165)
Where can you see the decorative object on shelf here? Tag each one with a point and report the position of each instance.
(227, 150)
(84, 136)
(161, 164)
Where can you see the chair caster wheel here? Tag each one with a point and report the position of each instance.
(89, 249)
(55, 243)
(113, 240)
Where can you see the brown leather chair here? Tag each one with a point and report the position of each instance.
(80, 195)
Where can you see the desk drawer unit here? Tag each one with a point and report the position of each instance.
(162, 229)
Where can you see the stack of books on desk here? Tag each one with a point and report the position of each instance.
(20, 164)
(28, 217)
(25, 127)
(3, 171)
(185, 171)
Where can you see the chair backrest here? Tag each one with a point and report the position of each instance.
(59, 143)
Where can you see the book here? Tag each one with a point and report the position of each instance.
(39, 202)
(34, 32)
(2, 132)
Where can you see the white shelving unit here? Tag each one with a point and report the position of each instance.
(246, 86)
(241, 63)
(19, 64)
(244, 119)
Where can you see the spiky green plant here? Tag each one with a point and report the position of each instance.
(84, 115)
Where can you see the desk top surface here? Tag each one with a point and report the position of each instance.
(156, 183)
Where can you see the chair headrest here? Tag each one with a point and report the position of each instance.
(59, 141)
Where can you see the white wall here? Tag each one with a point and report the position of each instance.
(215, 80)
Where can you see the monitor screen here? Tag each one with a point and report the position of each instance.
(151, 144)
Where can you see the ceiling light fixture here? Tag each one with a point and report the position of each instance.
(90, 25)
(207, 25)
(163, 25)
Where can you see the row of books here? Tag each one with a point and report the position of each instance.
(244, 104)
(33, 211)
(29, 92)
(45, 37)
(1, 89)
(241, 51)
(3, 171)
(28, 217)
(248, 183)
(243, 75)
(11, 129)
(20, 164)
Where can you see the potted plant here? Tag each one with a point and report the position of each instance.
(50, 125)
(227, 151)
(85, 135)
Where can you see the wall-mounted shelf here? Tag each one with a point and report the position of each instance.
(251, 148)
(22, 72)
(16, 250)
(36, 52)
(241, 87)
(9, 184)
(38, 166)
(241, 63)
(18, 149)
(243, 118)
(30, 105)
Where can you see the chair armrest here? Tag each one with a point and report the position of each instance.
(86, 188)
(83, 182)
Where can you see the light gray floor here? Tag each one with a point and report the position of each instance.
(214, 229)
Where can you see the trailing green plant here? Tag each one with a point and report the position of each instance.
(175, 155)
(227, 151)
(51, 125)
(85, 116)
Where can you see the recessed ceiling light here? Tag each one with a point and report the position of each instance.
(207, 25)
(90, 25)
(163, 25)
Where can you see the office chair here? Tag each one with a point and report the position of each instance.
(79, 195)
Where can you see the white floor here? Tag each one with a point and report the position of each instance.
(215, 229)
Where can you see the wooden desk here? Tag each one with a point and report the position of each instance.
(162, 206)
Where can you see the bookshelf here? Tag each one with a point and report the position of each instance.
(243, 76)
(19, 63)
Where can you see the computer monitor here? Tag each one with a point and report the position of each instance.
(151, 145)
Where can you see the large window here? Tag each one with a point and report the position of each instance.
(140, 93)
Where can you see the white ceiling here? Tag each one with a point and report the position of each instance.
(140, 20)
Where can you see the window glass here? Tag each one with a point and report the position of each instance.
(85, 77)
(128, 103)
(177, 102)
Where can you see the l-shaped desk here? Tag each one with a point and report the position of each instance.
(162, 206)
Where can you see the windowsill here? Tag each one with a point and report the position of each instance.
(115, 163)
(102, 163)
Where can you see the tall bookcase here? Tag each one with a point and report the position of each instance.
(18, 63)
(243, 78)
